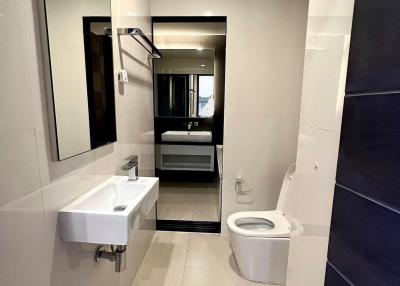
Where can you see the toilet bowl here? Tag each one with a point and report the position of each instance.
(260, 240)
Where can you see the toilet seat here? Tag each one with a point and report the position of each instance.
(265, 224)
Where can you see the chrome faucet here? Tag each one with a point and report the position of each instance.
(132, 168)
(190, 125)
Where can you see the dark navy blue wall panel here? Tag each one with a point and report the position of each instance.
(364, 242)
(369, 156)
(333, 278)
(374, 63)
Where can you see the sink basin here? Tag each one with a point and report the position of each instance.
(110, 212)
(187, 136)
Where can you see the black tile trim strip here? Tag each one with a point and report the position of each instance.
(339, 273)
(180, 19)
(189, 226)
(355, 94)
(368, 198)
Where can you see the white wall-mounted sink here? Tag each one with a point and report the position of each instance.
(110, 212)
(187, 136)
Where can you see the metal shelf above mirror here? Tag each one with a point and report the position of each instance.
(141, 38)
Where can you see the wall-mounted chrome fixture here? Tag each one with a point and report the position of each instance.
(141, 38)
(116, 255)
(193, 96)
(132, 167)
(243, 191)
(239, 187)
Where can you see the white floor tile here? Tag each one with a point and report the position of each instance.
(185, 202)
(207, 250)
(174, 195)
(194, 259)
(206, 196)
(205, 276)
(175, 211)
(214, 250)
(205, 212)
(150, 275)
(167, 249)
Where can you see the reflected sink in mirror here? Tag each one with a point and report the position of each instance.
(110, 212)
(187, 136)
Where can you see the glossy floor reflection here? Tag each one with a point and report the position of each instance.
(188, 201)
(189, 259)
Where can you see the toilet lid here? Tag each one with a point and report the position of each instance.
(260, 224)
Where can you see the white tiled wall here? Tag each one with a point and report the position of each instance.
(264, 64)
(33, 186)
(325, 68)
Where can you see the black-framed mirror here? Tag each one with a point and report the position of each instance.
(82, 76)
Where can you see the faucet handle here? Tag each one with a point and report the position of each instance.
(128, 166)
(132, 162)
(133, 158)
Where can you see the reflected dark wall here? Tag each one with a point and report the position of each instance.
(100, 82)
(219, 95)
(177, 104)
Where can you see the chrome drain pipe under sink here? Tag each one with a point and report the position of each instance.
(116, 255)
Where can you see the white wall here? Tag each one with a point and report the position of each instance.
(68, 66)
(264, 64)
(33, 186)
(325, 68)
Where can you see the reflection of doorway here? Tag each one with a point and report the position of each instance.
(206, 104)
(193, 50)
(189, 95)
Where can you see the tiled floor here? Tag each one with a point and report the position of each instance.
(189, 259)
(188, 202)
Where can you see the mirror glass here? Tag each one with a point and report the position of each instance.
(188, 80)
(184, 81)
(82, 74)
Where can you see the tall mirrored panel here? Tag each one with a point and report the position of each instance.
(82, 74)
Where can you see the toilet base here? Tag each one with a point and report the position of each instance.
(261, 259)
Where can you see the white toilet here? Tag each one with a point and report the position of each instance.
(260, 240)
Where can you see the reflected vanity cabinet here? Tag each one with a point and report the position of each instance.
(185, 157)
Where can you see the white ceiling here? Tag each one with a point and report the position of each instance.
(193, 35)
(189, 29)
(187, 53)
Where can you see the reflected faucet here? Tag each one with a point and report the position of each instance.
(132, 167)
